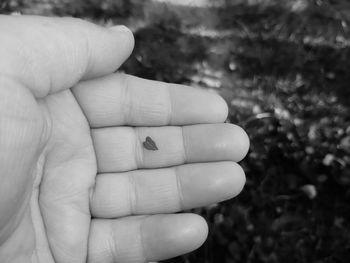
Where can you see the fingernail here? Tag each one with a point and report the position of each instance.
(120, 28)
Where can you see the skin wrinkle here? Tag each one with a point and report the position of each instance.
(91, 188)
(88, 57)
(127, 95)
(92, 191)
(26, 56)
(60, 247)
(74, 57)
(184, 146)
(179, 189)
(48, 124)
(82, 111)
(36, 193)
(143, 249)
(28, 69)
(35, 257)
(4, 229)
(170, 106)
(26, 195)
(133, 195)
(6, 250)
(139, 153)
(112, 244)
(48, 87)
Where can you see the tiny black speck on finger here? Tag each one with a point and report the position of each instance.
(149, 144)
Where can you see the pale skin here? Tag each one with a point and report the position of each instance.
(76, 183)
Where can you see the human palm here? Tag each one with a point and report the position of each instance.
(78, 184)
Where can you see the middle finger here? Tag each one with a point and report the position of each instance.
(120, 149)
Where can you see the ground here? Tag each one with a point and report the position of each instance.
(284, 69)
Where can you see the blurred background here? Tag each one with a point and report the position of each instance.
(283, 66)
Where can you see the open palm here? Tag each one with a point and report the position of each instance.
(77, 182)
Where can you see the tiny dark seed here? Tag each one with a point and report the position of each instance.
(149, 144)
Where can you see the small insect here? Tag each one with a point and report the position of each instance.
(149, 144)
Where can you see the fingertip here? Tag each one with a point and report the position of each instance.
(173, 235)
(219, 181)
(108, 54)
(227, 180)
(196, 231)
(120, 28)
(128, 35)
(234, 141)
(239, 179)
(196, 106)
(218, 108)
(242, 143)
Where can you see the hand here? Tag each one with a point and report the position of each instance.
(77, 183)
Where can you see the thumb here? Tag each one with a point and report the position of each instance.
(47, 55)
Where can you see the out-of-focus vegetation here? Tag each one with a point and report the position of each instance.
(284, 69)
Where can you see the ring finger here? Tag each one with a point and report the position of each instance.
(166, 190)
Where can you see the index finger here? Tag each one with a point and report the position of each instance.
(121, 99)
(49, 55)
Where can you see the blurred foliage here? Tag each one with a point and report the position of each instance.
(284, 69)
(77, 8)
(174, 52)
